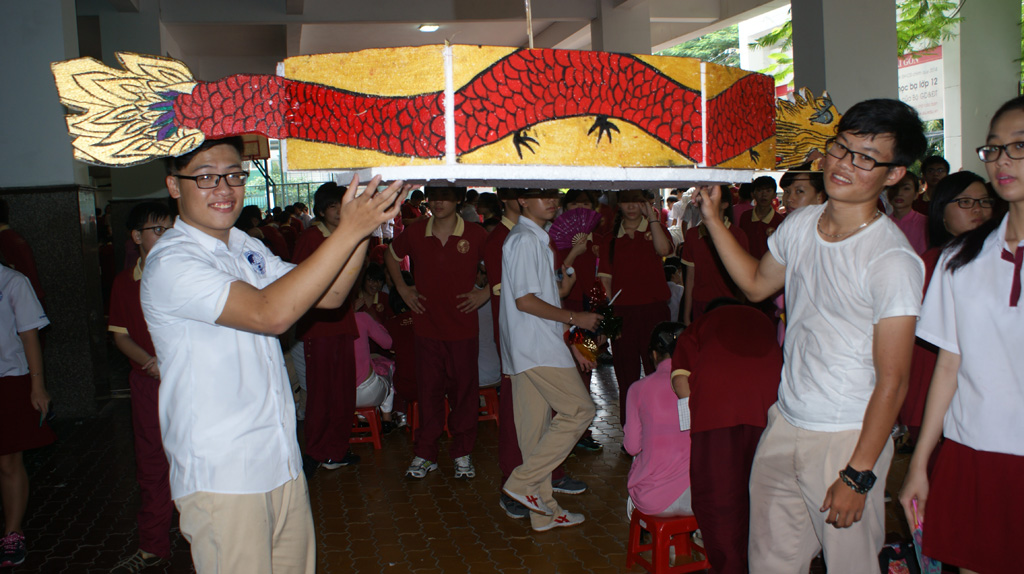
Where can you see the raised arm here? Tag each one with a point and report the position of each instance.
(328, 274)
(757, 279)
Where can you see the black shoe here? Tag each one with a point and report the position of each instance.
(512, 507)
(387, 426)
(346, 460)
(588, 443)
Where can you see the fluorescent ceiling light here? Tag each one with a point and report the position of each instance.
(429, 27)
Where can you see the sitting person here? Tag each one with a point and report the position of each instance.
(659, 479)
(374, 373)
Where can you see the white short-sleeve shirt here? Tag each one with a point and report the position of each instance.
(969, 313)
(835, 294)
(20, 311)
(227, 416)
(528, 266)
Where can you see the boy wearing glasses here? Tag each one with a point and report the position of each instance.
(853, 293)
(214, 300)
(147, 222)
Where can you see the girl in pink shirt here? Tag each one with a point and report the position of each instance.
(659, 480)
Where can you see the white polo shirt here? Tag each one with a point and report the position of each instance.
(20, 311)
(969, 313)
(226, 410)
(835, 294)
(528, 266)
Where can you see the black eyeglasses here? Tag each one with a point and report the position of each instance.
(990, 153)
(970, 202)
(156, 229)
(212, 180)
(859, 160)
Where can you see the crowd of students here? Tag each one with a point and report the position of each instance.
(763, 403)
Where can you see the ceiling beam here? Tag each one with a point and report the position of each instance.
(125, 5)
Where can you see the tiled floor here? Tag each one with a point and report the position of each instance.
(369, 519)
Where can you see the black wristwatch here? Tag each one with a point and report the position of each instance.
(860, 482)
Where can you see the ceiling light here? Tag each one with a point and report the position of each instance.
(429, 27)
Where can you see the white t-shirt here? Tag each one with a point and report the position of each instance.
(528, 266)
(969, 313)
(835, 294)
(227, 415)
(20, 311)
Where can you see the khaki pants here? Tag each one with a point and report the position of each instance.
(270, 533)
(546, 441)
(793, 468)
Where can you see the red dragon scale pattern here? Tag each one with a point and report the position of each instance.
(532, 86)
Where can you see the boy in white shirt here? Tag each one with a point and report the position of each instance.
(853, 291)
(534, 354)
(214, 301)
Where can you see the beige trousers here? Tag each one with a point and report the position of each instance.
(793, 468)
(543, 440)
(270, 533)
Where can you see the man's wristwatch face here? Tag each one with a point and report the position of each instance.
(864, 479)
(569, 271)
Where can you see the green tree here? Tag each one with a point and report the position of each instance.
(920, 25)
(720, 47)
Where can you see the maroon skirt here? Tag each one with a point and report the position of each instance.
(975, 505)
(19, 422)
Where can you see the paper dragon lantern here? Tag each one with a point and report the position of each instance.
(433, 105)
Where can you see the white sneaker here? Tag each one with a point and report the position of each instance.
(464, 467)
(566, 518)
(419, 467)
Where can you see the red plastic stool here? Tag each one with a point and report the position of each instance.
(665, 532)
(489, 412)
(369, 433)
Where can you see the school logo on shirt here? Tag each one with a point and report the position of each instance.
(769, 231)
(596, 250)
(648, 236)
(463, 246)
(379, 307)
(256, 261)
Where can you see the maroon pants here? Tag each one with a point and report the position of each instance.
(720, 463)
(447, 368)
(630, 351)
(151, 468)
(330, 395)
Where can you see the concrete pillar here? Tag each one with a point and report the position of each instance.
(622, 26)
(847, 48)
(50, 207)
(981, 71)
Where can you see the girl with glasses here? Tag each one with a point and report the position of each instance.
(973, 314)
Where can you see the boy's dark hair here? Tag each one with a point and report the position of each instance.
(765, 181)
(490, 202)
(326, 195)
(5, 211)
(664, 337)
(246, 217)
(176, 164)
(815, 178)
(416, 194)
(948, 187)
(673, 260)
(458, 191)
(891, 117)
(573, 196)
(746, 192)
(934, 160)
(671, 200)
(290, 210)
(670, 270)
(146, 212)
(374, 271)
(301, 206)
